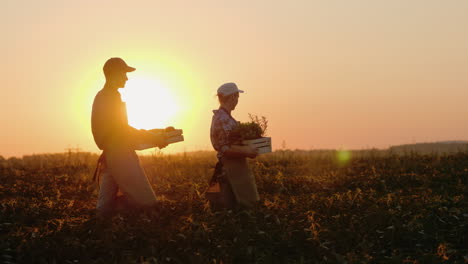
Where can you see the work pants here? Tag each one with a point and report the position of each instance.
(122, 171)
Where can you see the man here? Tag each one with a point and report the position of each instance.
(119, 164)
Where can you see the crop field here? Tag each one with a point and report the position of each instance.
(316, 207)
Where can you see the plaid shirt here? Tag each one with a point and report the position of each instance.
(221, 126)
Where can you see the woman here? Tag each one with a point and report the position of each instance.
(238, 185)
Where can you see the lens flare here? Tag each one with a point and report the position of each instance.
(343, 157)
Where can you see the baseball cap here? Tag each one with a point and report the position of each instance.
(116, 65)
(228, 89)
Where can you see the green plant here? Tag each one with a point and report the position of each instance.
(254, 129)
(380, 207)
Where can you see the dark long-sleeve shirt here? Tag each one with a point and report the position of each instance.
(109, 122)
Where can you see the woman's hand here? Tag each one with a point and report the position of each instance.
(251, 152)
(241, 151)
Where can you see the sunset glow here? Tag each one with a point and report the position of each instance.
(326, 74)
(149, 103)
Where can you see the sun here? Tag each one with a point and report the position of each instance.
(150, 104)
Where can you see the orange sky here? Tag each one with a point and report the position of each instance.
(326, 74)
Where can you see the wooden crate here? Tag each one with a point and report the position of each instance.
(263, 144)
(175, 139)
(172, 137)
(174, 133)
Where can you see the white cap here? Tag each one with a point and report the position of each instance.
(228, 89)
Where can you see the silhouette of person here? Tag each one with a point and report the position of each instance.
(119, 165)
(235, 177)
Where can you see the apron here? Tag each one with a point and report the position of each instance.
(123, 165)
(241, 179)
(232, 182)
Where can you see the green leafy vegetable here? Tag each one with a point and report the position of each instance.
(254, 129)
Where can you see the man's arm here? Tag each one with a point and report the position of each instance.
(103, 123)
(143, 139)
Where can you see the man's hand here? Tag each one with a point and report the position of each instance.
(157, 138)
(161, 140)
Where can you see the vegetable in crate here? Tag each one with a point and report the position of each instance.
(254, 129)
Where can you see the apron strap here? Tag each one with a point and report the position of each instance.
(218, 173)
(100, 163)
